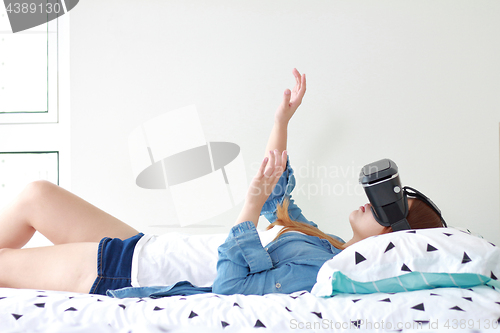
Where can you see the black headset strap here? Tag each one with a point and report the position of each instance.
(401, 225)
(420, 196)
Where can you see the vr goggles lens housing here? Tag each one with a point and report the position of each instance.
(389, 200)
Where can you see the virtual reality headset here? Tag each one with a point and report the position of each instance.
(388, 199)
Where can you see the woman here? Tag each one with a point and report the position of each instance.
(85, 237)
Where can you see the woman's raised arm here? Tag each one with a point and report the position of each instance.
(275, 159)
(291, 101)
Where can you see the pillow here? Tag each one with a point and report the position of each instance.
(411, 260)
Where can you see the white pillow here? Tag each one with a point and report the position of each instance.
(411, 260)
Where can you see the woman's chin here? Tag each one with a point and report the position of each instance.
(352, 216)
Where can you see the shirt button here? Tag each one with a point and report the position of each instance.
(266, 249)
(278, 285)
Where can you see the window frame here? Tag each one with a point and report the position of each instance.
(46, 131)
(51, 114)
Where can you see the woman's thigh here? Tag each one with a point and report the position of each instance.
(63, 217)
(66, 267)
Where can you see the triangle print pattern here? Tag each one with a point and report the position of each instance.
(359, 258)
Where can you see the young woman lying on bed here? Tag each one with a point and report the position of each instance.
(95, 252)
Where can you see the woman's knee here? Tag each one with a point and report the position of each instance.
(36, 192)
(39, 188)
(33, 198)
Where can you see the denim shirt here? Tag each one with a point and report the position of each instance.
(285, 265)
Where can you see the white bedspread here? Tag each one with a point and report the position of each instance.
(445, 309)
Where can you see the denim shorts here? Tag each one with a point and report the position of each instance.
(114, 264)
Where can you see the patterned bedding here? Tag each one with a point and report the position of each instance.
(444, 309)
(430, 280)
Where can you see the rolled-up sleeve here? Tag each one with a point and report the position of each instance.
(243, 247)
(240, 257)
(282, 190)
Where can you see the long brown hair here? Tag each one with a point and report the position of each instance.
(289, 225)
(420, 216)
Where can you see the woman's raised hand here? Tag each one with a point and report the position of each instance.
(291, 99)
(267, 176)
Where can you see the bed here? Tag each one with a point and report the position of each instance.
(441, 279)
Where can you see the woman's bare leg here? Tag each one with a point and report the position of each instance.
(66, 267)
(59, 215)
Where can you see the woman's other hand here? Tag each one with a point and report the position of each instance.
(267, 176)
(262, 186)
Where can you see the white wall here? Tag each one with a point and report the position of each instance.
(414, 81)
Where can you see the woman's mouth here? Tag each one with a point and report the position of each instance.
(365, 207)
